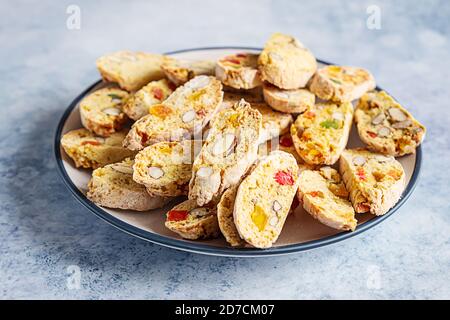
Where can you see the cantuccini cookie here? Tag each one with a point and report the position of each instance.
(225, 217)
(102, 111)
(239, 71)
(321, 133)
(385, 126)
(193, 222)
(155, 92)
(229, 150)
(375, 181)
(341, 84)
(112, 186)
(131, 70)
(181, 71)
(165, 168)
(286, 63)
(264, 199)
(288, 101)
(184, 114)
(90, 151)
(324, 196)
(273, 123)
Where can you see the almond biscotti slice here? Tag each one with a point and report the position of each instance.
(341, 84)
(273, 123)
(229, 150)
(239, 71)
(165, 168)
(225, 217)
(321, 133)
(323, 195)
(264, 199)
(112, 186)
(155, 92)
(375, 181)
(184, 114)
(181, 71)
(90, 151)
(385, 126)
(131, 70)
(286, 63)
(102, 111)
(288, 101)
(193, 222)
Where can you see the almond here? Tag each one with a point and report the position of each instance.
(378, 119)
(397, 114)
(359, 160)
(204, 172)
(402, 124)
(188, 116)
(384, 132)
(276, 206)
(273, 221)
(121, 168)
(112, 111)
(337, 116)
(224, 144)
(155, 172)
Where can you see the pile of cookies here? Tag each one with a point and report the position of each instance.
(243, 138)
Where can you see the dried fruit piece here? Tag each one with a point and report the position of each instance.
(372, 134)
(155, 172)
(361, 173)
(177, 215)
(316, 194)
(158, 93)
(284, 178)
(330, 124)
(92, 142)
(286, 141)
(259, 217)
(160, 110)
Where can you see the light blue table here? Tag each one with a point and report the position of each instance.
(46, 234)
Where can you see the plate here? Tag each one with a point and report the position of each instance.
(301, 232)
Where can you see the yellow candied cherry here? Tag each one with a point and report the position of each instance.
(160, 111)
(259, 217)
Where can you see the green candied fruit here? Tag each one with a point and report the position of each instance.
(330, 124)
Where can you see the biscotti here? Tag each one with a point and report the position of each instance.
(264, 199)
(131, 70)
(225, 217)
(90, 151)
(288, 101)
(375, 181)
(165, 168)
(385, 126)
(181, 71)
(231, 147)
(341, 84)
(321, 133)
(102, 111)
(184, 114)
(155, 92)
(323, 195)
(286, 63)
(239, 71)
(273, 123)
(112, 186)
(193, 222)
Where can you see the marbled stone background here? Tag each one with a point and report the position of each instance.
(44, 230)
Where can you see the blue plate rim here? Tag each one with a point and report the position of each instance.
(204, 248)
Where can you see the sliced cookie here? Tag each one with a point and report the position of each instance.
(102, 111)
(229, 150)
(131, 70)
(90, 151)
(323, 195)
(375, 181)
(193, 222)
(112, 186)
(165, 168)
(321, 133)
(239, 71)
(288, 101)
(341, 84)
(184, 114)
(286, 63)
(385, 126)
(264, 199)
(181, 71)
(225, 210)
(155, 92)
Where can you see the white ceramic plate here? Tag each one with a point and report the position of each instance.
(301, 232)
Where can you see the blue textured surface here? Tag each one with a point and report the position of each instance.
(44, 230)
